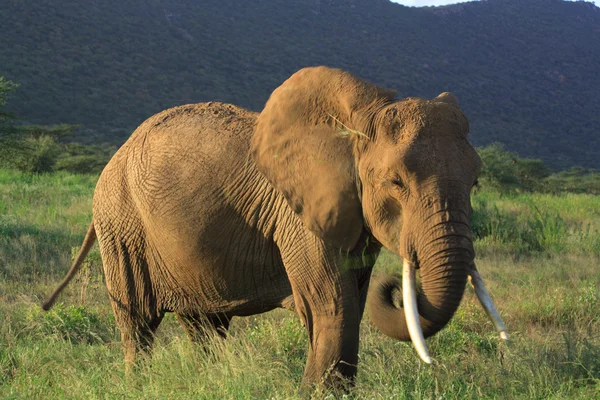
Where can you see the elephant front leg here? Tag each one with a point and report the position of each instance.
(327, 298)
(333, 349)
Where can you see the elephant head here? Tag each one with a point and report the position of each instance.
(347, 156)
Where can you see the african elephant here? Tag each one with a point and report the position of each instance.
(210, 211)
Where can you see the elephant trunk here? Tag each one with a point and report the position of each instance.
(443, 258)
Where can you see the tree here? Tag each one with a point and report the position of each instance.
(531, 173)
(7, 132)
(6, 87)
(507, 172)
(499, 170)
(28, 148)
(36, 148)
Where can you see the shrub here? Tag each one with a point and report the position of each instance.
(506, 172)
(574, 180)
(83, 159)
(37, 151)
(75, 324)
(36, 155)
(33, 148)
(498, 171)
(531, 173)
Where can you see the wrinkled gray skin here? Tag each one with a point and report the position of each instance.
(211, 211)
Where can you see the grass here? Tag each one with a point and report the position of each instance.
(40, 217)
(537, 253)
(522, 225)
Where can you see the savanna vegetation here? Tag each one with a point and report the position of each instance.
(538, 244)
(39, 149)
(538, 253)
(525, 72)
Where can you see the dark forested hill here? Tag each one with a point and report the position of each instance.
(525, 71)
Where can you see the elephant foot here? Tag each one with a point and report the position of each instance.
(137, 338)
(333, 355)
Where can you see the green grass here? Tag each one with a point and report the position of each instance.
(536, 224)
(532, 255)
(40, 217)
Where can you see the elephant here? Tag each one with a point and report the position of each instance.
(211, 211)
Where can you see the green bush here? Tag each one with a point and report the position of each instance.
(37, 149)
(6, 87)
(499, 169)
(531, 173)
(43, 153)
(33, 149)
(75, 324)
(36, 155)
(83, 159)
(506, 172)
(574, 180)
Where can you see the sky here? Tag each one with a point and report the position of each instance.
(420, 3)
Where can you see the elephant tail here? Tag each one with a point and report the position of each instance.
(89, 240)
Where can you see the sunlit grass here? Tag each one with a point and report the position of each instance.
(547, 292)
(41, 217)
(520, 225)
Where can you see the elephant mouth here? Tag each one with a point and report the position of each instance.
(409, 304)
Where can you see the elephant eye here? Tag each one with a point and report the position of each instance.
(397, 182)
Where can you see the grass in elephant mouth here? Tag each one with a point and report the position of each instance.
(541, 267)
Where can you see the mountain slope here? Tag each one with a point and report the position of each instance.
(524, 72)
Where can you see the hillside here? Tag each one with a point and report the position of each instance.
(525, 72)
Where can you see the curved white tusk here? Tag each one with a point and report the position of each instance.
(409, 296)
(486, 302)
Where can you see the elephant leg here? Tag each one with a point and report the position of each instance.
(333, 351)
(200, 327)
(132, 298)
(137, 337)
(328, 300)
(363, 279)
(366, 250)
(333, 340)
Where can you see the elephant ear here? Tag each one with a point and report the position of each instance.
(455, 113)
(303, 145)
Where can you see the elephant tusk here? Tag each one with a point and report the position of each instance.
(486, 302)
(409, 296)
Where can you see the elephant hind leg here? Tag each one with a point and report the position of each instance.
(200, 327)
(130, 287)
(137, 337)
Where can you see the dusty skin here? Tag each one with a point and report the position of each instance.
(210, 211)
